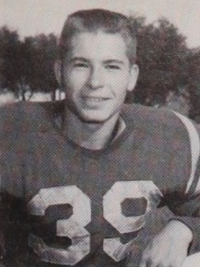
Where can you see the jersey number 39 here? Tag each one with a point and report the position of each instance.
(74, 227)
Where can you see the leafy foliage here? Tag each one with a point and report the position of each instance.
(161, 56)
(27, 65)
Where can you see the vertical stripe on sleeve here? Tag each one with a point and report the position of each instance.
(194, 145)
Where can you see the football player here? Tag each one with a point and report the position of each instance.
(81, 178)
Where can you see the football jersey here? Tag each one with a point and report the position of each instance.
(65, 205)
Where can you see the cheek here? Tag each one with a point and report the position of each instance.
(121, 77)
(76, 80)
(72, 83)
(120, 84)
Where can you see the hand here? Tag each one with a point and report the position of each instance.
(169, 248)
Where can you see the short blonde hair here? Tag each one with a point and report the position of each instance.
(94, 20)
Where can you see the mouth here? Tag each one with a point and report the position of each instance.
(95, 102)
(95, 99)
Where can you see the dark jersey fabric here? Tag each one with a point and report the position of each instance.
(63, 205)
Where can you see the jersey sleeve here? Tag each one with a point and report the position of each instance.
(10, 174)
(3, 223)
(2, 241)
(186, 205)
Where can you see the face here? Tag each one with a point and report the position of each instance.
(96, 75)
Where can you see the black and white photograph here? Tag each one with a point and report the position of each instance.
(99, 133)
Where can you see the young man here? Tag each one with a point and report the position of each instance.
(81, 178)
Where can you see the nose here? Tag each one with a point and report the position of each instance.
(95, 79)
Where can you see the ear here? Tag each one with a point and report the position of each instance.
(57, 71)
(134, 72)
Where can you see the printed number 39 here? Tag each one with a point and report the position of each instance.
(74, 227)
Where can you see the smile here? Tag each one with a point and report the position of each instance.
(95, 99)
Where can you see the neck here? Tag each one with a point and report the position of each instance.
(91, 135)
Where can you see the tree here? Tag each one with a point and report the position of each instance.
(27, 66)
(9, 58)
(38, 57)
(44, 56)
(161, 55)
(193, 82)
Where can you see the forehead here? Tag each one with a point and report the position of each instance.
(98, 45)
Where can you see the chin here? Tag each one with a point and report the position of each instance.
(88, 116)
(95, 119)
(92, 116)
(91, 120)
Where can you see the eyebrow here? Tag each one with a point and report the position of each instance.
(114, 61)
(109, 61)
(78, 59)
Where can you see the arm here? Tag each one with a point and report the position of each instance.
(170, 247)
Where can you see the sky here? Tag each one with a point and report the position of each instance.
(32, 17)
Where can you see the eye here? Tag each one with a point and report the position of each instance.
(80, 65)
(112, 67)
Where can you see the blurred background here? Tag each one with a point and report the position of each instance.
(168, 49)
